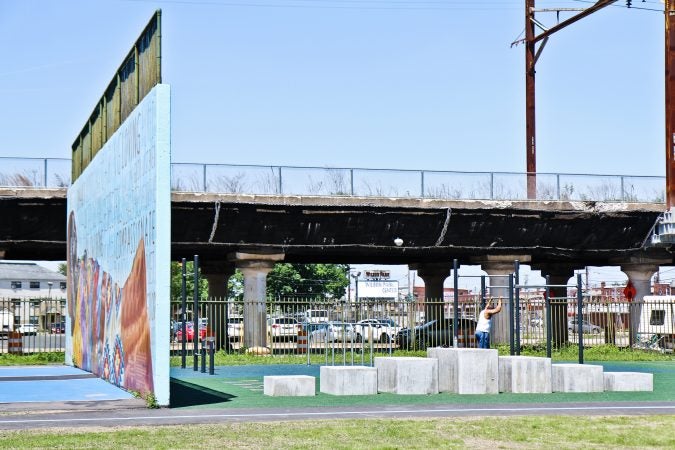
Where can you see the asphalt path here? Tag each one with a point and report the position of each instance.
(89, 415)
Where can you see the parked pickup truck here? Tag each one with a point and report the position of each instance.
(376, 330)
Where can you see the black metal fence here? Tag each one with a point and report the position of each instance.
(306, 326)
(32, 325)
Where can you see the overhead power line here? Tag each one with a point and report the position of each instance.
(349, 4)
(628, 5)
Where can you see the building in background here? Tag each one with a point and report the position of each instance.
(32, 294)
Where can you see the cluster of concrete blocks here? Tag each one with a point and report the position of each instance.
(460, 371)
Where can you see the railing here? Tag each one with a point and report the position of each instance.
(35, 172)
(32, 325)
(302, 326)
(365, 328)
(283, 180)
(336, 181)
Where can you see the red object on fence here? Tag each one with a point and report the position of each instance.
(629, 291)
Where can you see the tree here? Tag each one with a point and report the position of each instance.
(176, 282)
(235, 286)
(315, 280)
(62, 269)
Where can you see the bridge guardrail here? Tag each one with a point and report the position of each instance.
(362, 182)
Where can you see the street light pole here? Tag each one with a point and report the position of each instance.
(356, 291)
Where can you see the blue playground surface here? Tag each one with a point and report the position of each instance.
(23, 384)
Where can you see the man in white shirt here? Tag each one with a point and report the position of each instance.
(484, 319)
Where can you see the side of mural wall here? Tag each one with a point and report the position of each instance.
(119, 242)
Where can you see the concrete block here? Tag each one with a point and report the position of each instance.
(289, 386)
(467, 370)
(628, 381)
(576, 378)
(348, 380)
(525, 374)
(401, 375)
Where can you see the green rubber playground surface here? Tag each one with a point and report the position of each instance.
(242, 387)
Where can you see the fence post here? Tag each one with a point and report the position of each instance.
(580, 319)
(482, 292)
(492, 185)
(204, 177)
(422, 183)
(351, 179)
(455, 321)
(228, 347)
(195, 313)
(183, 315)
(511, 342)
(516, 309)
(557, 182)
(547, 298)
(202, 353)
(280, 185)
(211, 357)
(46, 178)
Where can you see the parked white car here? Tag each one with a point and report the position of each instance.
(235, 328)
(283, 328)
(27, 329)
(334, 332)
(316, 316)
(377, 330)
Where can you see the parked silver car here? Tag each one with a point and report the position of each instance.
(588, 327)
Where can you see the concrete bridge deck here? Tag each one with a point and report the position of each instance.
(359, 229)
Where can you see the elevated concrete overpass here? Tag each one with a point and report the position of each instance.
(252, 232)
(359, 229)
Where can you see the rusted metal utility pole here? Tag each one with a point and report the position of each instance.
(670, 103)
(531, 56)
(530, 117)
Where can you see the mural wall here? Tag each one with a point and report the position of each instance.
(119, 239)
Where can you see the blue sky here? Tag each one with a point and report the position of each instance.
(383, 83)
(349, 83)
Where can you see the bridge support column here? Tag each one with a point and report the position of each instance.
(559, 276)
(255, 268)
(433, 275)
(499, 270)
(217, 275)
(640, 275)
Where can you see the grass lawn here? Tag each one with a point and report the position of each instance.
(558, 432)
(34, 359)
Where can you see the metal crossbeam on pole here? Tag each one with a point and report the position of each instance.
(532, 54)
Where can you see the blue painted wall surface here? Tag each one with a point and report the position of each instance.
(119, 241)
